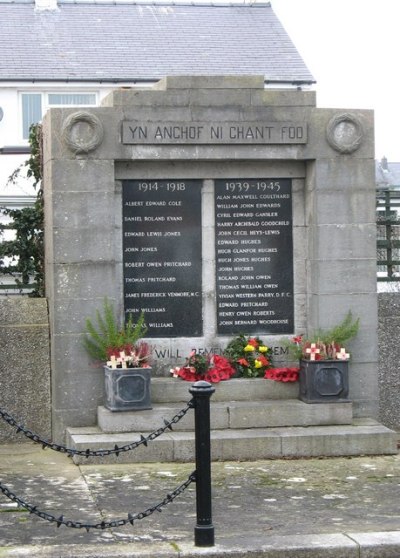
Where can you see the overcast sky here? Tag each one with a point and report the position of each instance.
(352, 49)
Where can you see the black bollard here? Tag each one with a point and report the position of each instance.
(204, 530)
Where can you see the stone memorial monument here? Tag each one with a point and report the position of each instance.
(216, 207)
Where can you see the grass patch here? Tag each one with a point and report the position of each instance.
(175, 546)
(13, 510)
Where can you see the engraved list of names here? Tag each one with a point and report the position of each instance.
(254, 256)
(162, 255)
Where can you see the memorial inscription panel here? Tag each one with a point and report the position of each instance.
(254, 256)
(190, 132)
(162, 255)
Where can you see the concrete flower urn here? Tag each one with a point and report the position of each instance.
(324, 381)
(127, 389)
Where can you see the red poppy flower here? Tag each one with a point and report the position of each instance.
(212, 376)
(243, 362)
(187, 374)
(270, 374)
(112, 352)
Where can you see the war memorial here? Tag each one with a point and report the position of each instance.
(216, 207)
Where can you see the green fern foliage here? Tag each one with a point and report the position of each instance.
(107, 335)
(341, 333)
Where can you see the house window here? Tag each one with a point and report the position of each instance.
(31, 111)
(34, 105)
(71, 99)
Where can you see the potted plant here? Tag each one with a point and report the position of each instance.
(125, 359)
(324, 361)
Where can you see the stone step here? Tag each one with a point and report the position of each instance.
(363, 437)
(230, 415)
(174, 390)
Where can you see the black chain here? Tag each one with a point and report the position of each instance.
(104, 524)
(101, 452)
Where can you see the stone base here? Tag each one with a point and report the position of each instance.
(245, 425)
(363, 437)
(230, 415)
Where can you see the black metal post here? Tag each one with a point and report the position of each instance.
(204, 530)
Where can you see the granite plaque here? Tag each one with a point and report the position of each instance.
(254, 256)
(162, 255)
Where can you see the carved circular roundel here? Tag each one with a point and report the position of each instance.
(345, 133)
(82, 132)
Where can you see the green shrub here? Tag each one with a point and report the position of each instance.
(109, 336)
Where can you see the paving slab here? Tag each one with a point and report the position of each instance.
(307, 508)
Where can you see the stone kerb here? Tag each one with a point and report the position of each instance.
(86, 156)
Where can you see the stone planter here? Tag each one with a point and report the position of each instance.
(324, 381)
(127, 389)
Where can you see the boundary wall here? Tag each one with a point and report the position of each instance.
(25, 365)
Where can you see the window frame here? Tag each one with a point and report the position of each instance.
(46, 104)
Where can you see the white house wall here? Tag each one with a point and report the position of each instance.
(11, 127)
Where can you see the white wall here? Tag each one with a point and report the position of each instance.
(11, 127)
